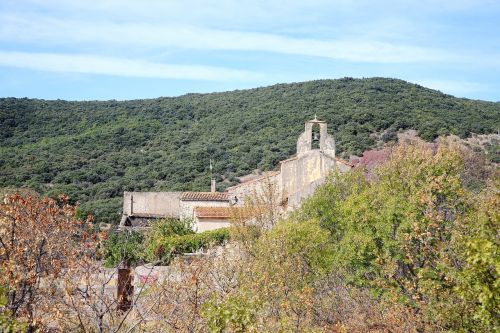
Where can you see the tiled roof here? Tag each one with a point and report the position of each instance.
(214, 212)
(237, 213)
(205, 196)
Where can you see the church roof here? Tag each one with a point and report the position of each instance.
(336, 158)
(258, 178)
(204, 196)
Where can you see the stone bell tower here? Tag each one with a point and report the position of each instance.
(326, 141)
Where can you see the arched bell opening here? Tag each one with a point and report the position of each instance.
(315, 137)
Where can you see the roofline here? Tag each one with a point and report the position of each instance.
(214, 217)
(268, 174)
(182, 197)
(142, 192)
(289, 159)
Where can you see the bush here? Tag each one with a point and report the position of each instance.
(478, 283)
(417, 234)
(165, 248)
(195, 242)
(126, 247)
(168, 237)
(170, 227)
(165, 229)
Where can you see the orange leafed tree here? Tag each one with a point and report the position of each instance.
(40, 240)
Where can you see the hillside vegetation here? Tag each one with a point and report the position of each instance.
(93, 151)
(415, 249)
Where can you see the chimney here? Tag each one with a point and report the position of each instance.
(212, 187)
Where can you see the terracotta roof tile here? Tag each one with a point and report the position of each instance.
(205, 196)
(214, 212)
(237, 213)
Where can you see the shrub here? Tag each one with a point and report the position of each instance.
(235, 314)
(170, 226)
(124, 247)
(165, 248)
(417, 234)
(478, 283)
(165, 229)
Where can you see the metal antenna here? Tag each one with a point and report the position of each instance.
(212, 179)
(211, 169)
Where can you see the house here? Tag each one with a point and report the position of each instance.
(297, 178)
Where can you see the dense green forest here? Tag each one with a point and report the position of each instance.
(95, 150)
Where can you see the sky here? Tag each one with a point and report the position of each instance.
(123, 49)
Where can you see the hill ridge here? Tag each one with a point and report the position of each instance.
(189, 94)
(95, 150)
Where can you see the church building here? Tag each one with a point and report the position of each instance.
(296, 179)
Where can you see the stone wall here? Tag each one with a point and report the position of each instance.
(258, 189)
(151, 203)
(295, 199)
(298, 173)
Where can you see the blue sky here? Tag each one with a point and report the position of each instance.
(122, 49)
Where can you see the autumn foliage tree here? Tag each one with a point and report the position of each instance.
(40, 240)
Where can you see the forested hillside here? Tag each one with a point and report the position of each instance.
(93, 151)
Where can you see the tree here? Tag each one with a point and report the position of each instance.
(40, 242)
(478, 282)
(417, 233)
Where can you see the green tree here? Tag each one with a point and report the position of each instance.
(416, 234)
(478, 282)
(124, 247)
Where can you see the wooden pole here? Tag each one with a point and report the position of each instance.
(125, 290)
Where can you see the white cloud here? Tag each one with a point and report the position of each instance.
(51, 31)
(357, 31)
(91, 64)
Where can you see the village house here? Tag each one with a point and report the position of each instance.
(296, 179)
